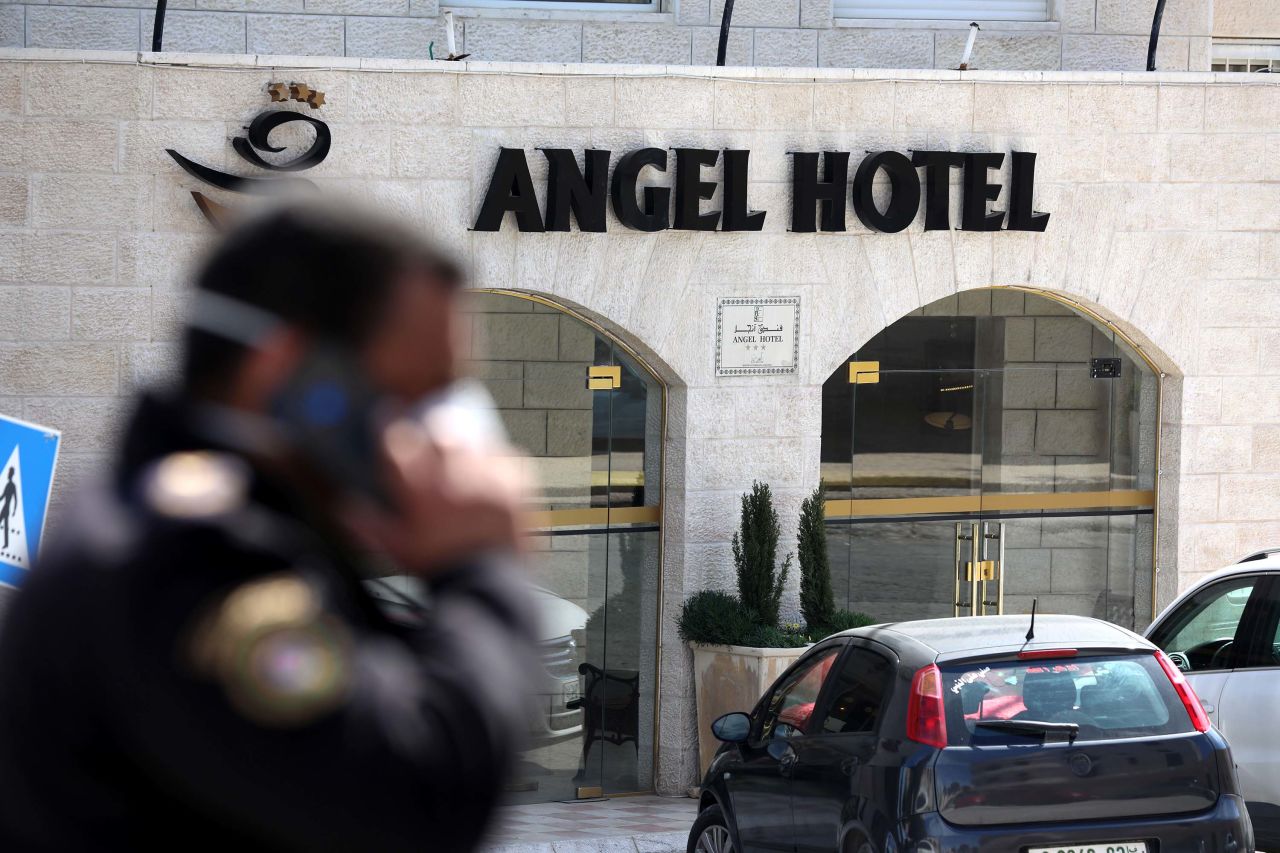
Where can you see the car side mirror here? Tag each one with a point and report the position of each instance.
(732, 728)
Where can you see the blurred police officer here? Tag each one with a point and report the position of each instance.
(196, 663)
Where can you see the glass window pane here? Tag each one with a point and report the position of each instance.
(791, 706)
(1201, 634)
(900, 570)
(1107, 697)
(986, 409)
(1270, 653)
(625, 629)
(596, 452)
(858, 693)
(555, 764)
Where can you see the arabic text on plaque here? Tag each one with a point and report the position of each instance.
(757, 335)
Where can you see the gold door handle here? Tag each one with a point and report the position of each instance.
(961, 572)
(982, 570)
(992, 570)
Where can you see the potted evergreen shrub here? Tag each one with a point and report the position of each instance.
(739, 648)
(817, 599)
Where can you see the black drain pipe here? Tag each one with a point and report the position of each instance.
(157, 31)
(1155, 35)
(724, 30)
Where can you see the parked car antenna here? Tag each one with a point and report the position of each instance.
(1031, 632)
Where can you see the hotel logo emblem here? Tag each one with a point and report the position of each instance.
(257, 139)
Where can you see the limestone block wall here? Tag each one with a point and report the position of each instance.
(1093, 35)
(1245, 19)
(1164, 192)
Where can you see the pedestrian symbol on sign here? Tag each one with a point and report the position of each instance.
(26, 481)
(14, 548)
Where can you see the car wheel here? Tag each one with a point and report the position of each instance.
(710, 833)
(862, 846)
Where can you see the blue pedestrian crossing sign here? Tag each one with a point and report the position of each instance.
(30, 453)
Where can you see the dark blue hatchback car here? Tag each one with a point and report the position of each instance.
(953, 735)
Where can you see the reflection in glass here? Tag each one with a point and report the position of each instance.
(896, 571)
(595, 452)
(986, 408)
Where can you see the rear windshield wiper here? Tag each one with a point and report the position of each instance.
(1032, 727)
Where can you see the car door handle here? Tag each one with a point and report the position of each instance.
(784, 754)
(1209, 707)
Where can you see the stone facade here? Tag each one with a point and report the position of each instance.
(1079, 35)
(1164, 192)
(1245, 19)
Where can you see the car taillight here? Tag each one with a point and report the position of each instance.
(1045, 654)
(925, 721)
(1190, 700)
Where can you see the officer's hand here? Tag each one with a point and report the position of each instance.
(453, 502)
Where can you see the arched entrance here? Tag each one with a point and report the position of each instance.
(992, 448)
(590, 415)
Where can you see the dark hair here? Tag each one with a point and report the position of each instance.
(324, 270)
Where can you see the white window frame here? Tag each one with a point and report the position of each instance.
(1246, 53)
(559, 5)
(962, 11)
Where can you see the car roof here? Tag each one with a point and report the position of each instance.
(1267, 559)
(966, 636)
(1264, 560)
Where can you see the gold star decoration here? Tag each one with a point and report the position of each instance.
(316, 99)
(300, 91)
(279, 92)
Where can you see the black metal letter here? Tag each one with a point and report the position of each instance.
(1022, 214)
(977, 192)
(259, 137)
(738, 215)
(656, 213)
(807, 190)
(937, 186)
(904, 192)
(691, 189)
(569, 189)
(510, 188)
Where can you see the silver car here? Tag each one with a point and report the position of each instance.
(1224, 633)
(562, 623)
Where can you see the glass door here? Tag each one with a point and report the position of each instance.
(903, 477)
(971, 492)
(589, 417)
(975, 463)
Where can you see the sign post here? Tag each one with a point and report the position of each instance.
(29, 453)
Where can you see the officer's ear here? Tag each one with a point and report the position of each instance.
(267, 366)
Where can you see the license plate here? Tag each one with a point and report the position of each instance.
(1103, 847)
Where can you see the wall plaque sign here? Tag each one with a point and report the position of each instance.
(757, 335)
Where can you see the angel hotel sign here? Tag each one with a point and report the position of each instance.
(583, 192)
(757, 335)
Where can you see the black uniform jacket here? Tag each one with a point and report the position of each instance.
(195, 664)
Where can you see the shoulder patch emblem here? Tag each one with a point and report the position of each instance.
(196, 484)
(282, 661)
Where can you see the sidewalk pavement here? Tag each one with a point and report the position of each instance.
(644, 824)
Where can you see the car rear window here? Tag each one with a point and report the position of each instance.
(1107, 697)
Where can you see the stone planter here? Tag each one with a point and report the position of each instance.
(732, 678)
